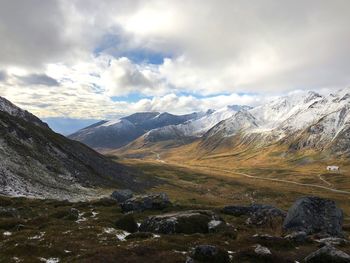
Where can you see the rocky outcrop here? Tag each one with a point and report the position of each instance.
(122, 195)
(208, 253)
(258, 214)
(314, 215)
(186, 222)
(328, 254)
(155, 201)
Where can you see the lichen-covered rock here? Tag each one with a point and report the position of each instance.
(122, 195)
(259, 214)
(328, 254)
(155, 201)
(208, 253)
(314, 215)
(187, 222)
(127, 223)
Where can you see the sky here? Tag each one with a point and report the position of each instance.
(76, 61)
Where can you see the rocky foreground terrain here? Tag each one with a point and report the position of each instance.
(130, 227)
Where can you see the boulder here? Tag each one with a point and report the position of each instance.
(328, 254)
(187, 222)
(208, 253)
(127, 223)
(314, 215)
(155, 201)
(262, 251)
(122, 195)
(333, 241)
(259, 214)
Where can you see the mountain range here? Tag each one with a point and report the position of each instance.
(37, 162)
(117, 133)
(298, 122)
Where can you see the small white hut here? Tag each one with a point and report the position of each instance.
(332, 168)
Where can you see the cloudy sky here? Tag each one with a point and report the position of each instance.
(69, 60)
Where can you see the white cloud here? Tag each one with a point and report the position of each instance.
(212, 47)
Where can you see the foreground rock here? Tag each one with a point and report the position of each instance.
(314, 215)
(259, 214)
(328, 254)
(186, 222)
(333, 241)
(262, 251)
(122, 195)
(156, 201)
(207, 253)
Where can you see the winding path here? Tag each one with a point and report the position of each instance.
(279, 180)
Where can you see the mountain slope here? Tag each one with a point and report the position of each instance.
(191, 129)
(35, 161)
(117, 133)
(301, 121)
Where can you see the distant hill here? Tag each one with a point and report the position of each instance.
(117, 133)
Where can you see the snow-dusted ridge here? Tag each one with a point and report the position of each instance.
(313, 120)
(13, 110)
(194, 128)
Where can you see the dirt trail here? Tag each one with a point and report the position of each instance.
(276, 180)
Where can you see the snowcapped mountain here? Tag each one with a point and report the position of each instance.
(303, 120)
(35, 161)
(194, 128)
(117, 133)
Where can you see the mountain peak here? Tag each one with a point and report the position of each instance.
(11, 109)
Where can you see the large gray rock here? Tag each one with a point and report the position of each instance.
(187, 222)
(208, 253)
(314, 215)
(259, 214)
(122, 195)
(155, 201)
(328, 254)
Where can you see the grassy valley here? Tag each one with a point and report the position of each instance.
(42, 230)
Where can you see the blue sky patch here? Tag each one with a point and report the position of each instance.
(112, 45)
(132, 97)
(67, 126)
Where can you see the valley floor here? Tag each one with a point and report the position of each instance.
(45, 230)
